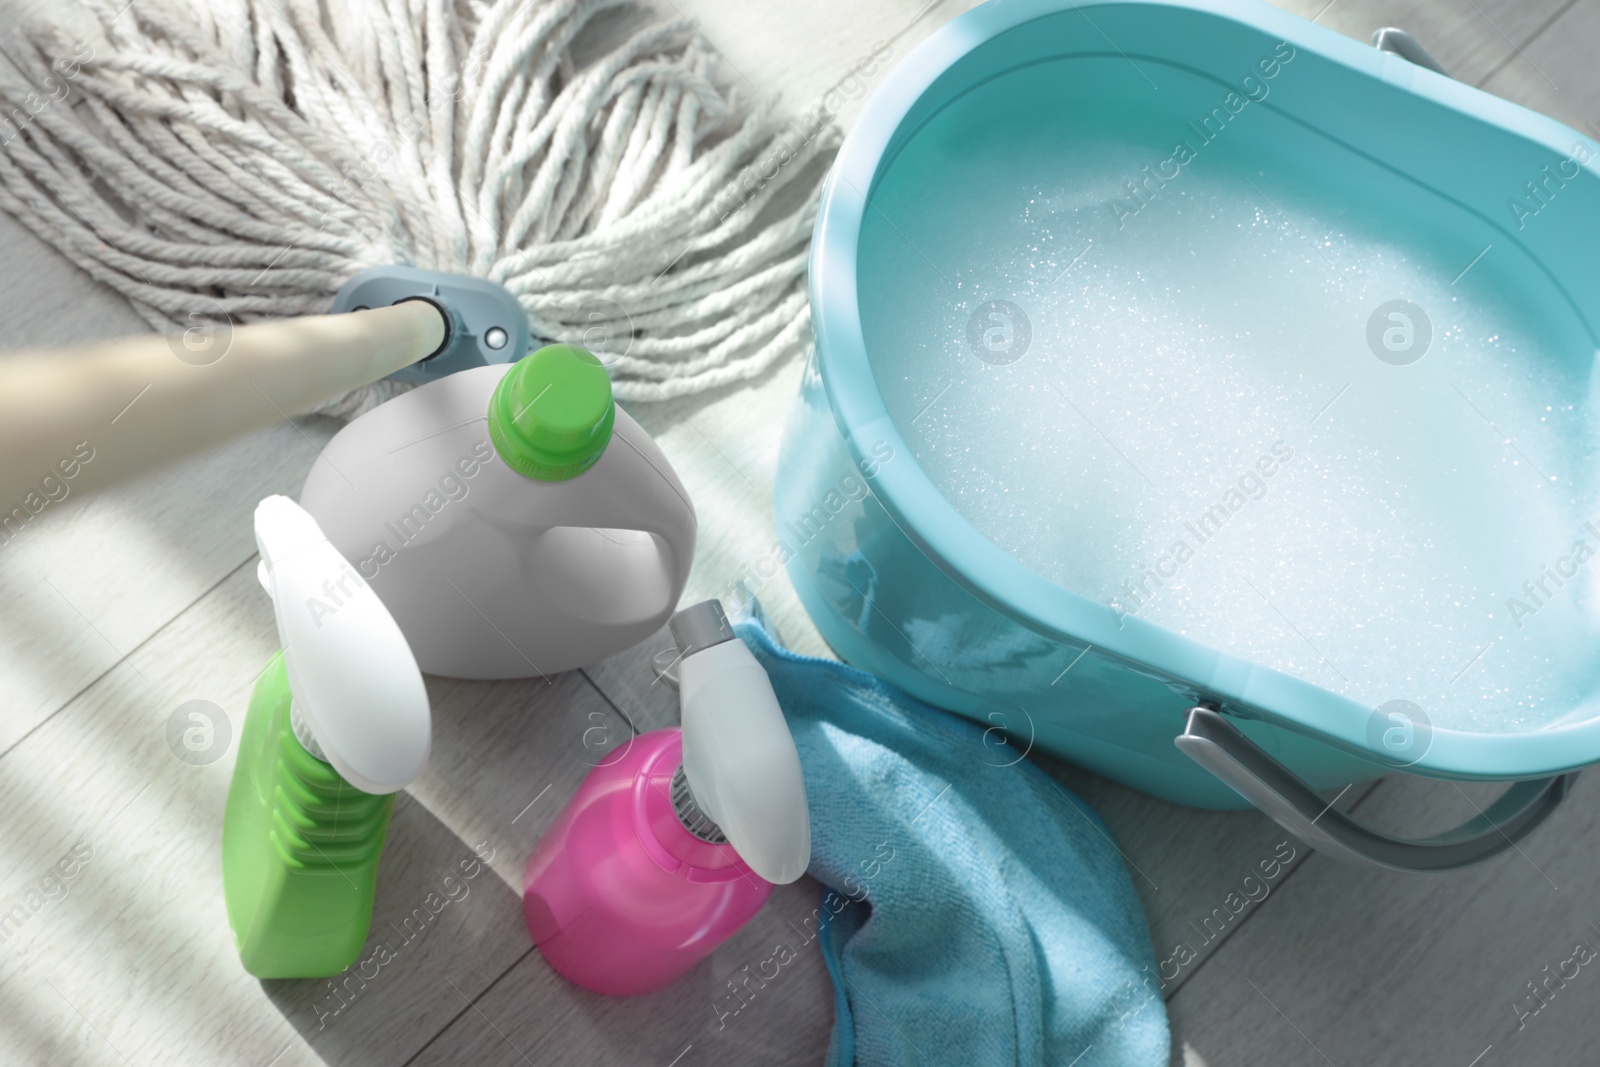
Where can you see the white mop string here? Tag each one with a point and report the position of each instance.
(246, 157)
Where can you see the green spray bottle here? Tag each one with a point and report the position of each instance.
(338, 722)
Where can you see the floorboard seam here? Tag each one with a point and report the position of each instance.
(452, 1020)
(607, 698)
(123, 658)
(1516, 49)
(1235, 928)
(1253, 912)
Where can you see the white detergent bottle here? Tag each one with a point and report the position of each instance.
(514, 521)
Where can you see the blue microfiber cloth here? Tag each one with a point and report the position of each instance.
(978, 913)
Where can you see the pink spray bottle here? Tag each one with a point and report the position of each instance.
(665, 853)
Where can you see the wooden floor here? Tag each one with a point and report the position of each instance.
(121, 608)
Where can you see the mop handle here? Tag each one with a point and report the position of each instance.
(131, 404)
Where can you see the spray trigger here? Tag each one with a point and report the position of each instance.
(738, 755)
(352, 678)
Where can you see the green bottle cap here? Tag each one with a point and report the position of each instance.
(551, 415)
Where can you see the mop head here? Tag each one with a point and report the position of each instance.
(241, 159)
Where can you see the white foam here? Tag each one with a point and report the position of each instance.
(1219, 334)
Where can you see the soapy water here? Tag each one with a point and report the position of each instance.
(1274, 431)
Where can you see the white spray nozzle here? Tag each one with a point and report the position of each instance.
(352, 676)
(738, 755)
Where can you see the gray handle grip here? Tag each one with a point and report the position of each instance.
(1218, 746)
(1402, 44)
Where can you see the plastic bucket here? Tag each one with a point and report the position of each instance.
(901, 584)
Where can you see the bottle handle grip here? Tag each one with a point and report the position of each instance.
(635, 489)
(632, 488)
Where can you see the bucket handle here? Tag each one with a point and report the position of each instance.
(1402, 44)
(1218, 746)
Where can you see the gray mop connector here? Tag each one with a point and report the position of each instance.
(487, 325)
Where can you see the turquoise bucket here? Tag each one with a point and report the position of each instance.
(900, 584)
